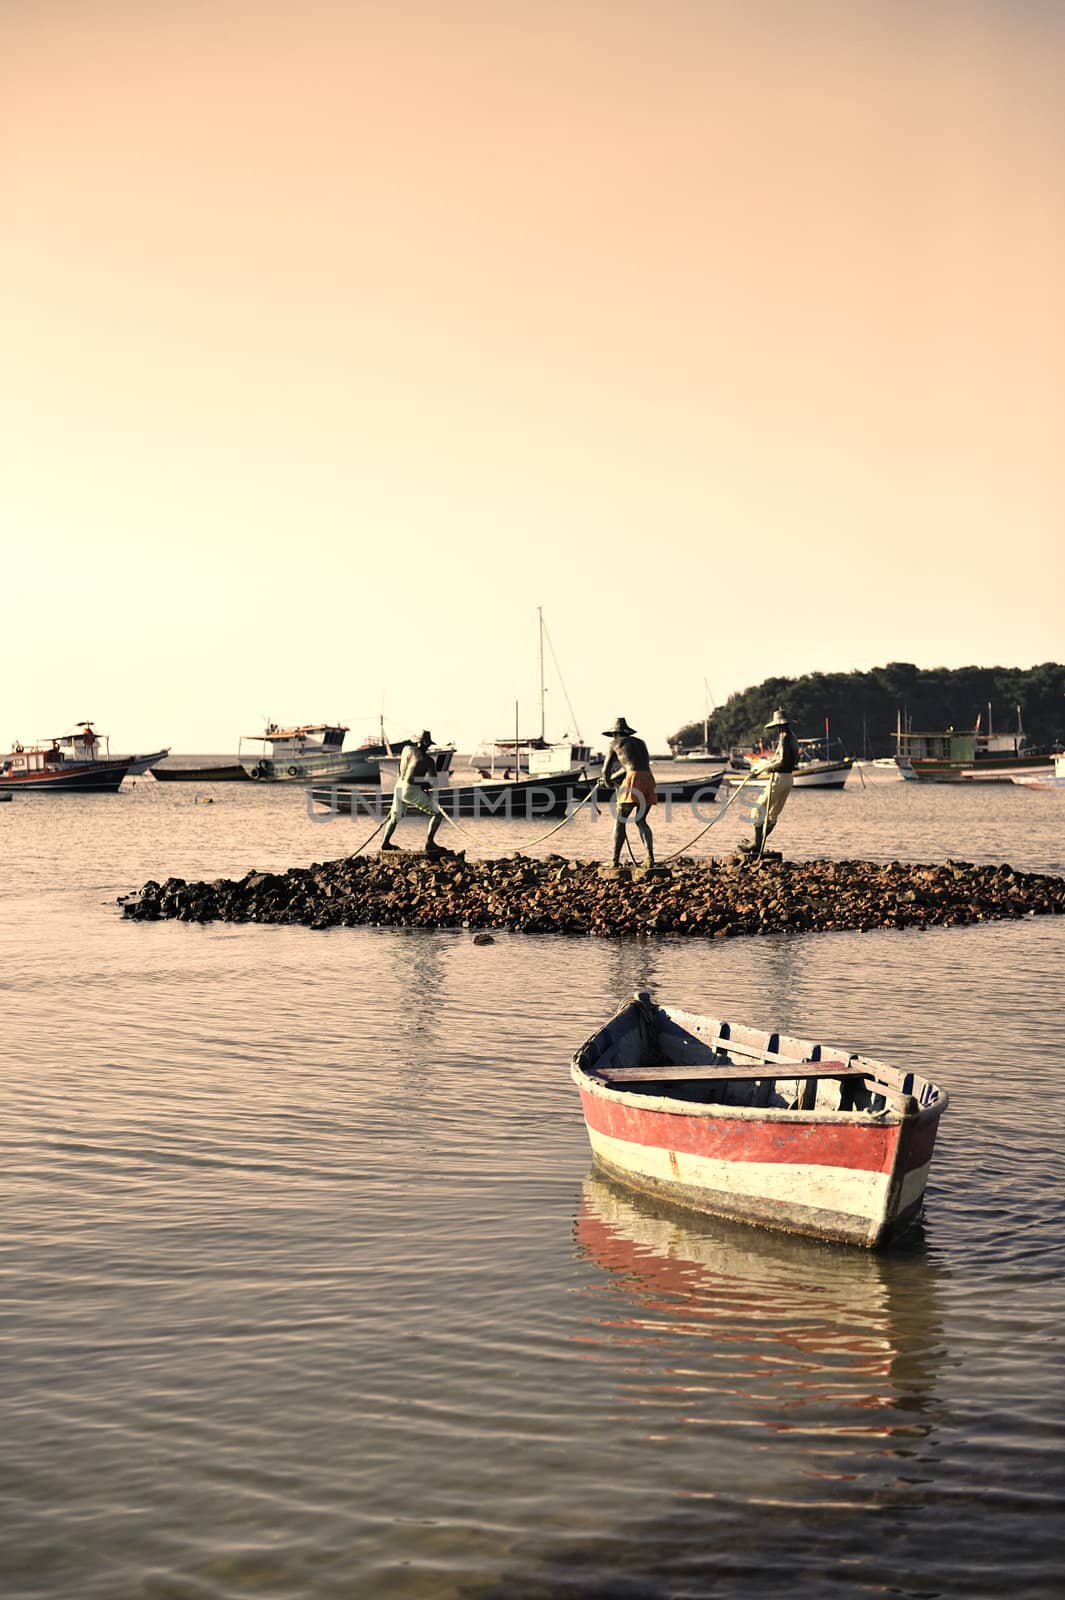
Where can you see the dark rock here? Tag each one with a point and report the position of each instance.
(707, 899)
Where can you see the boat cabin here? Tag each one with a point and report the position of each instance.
(551, 760)
(81, 748)
(957, 747)
(309, 739)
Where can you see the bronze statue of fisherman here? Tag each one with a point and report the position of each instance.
(414, 792)
(778, 769)
(635, 789)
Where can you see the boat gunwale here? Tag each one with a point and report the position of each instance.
(854, 1066)
(886, 1116)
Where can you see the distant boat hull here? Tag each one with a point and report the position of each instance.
(930, 769)
(1054, 779)
(139, 765)
(996, 774)
(815, 775)
(821, 774)
(200, 774)
(339, 768)
(96, 777)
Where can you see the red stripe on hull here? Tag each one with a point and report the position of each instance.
(860, 1146)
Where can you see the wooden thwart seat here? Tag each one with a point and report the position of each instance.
(812, 1072)
(725, 1074)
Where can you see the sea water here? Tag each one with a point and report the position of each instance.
(308, 1288)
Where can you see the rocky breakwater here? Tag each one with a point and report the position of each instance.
(719, 899)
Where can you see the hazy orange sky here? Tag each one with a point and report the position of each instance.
(338, 336)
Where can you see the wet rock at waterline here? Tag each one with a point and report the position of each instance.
(705, 899)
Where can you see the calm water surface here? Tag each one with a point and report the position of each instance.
(309, 1291)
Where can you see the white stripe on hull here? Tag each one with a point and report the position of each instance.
(841, 1191)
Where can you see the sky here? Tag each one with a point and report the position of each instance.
(339, 337)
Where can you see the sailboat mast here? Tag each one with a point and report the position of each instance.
(540, 620)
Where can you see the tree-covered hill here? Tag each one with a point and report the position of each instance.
(863, 707)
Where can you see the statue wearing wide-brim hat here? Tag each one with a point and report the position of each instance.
(778, 770)
(635, 793)
(413, 792)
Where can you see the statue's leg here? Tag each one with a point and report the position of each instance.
(393, 818)
(434, 829)
(619, 835)
(648, 838)
(780, 788)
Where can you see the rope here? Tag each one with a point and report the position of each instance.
(594, 790)
(464, 831)
(568, 818)
(370, 840)
(715, 819)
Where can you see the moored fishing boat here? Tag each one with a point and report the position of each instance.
(822, 774)
(733, 1121)
(222, 773)
(313, 752)
(822, 764)
(76, 762)
(973, 756)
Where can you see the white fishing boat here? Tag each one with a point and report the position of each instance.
(773, 1130)
(822, 764)
(312, 752)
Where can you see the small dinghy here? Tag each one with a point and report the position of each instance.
(771, 1130)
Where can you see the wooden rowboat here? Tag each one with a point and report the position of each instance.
(768, 1129)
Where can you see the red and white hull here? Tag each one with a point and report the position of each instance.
(823, 1174)
(95, 777)
(735, 1122)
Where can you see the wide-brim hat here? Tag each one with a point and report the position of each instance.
(620, 726)
(425, 737)
(778, 720)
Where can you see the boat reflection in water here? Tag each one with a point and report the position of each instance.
(744, 1333)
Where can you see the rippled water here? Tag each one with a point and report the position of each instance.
(308, 1289)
